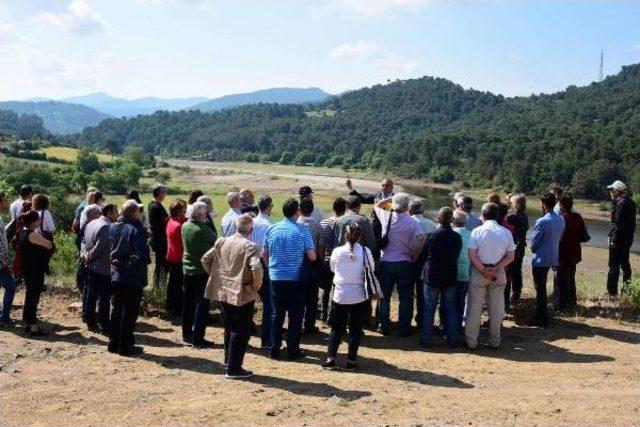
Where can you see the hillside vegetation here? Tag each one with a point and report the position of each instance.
(58, 117)
(429, 127)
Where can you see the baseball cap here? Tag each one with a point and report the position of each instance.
(617, 185)
(305, 191)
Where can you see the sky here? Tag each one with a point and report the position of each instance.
(182, 48)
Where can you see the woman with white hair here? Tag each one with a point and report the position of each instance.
(464, 265)
(228, 223)
(235, 277)
(211, 213)
(400, 245)
(197, 239)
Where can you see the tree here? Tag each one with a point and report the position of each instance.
(286, 158)
(112, 146)
(135, 155)
(87, 162)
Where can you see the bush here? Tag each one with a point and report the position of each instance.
(441, 175)
(65, 260)
(631, 293)
(286, 158)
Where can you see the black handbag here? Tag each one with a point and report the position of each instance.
(383, 241)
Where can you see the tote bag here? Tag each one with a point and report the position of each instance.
(372, 289)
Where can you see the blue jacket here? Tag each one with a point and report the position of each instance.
(129, 252)
(545, 240)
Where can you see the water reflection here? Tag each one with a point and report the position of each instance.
(435, 198)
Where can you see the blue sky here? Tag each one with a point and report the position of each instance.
(179, 48)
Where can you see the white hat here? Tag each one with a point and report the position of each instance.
(618, 185)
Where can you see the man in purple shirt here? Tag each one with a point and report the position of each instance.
(405, 240)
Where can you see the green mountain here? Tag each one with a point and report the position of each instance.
(271, 96)
(428, 127)
(58, 117)
(21, 125)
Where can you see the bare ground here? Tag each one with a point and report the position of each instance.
(584, 370)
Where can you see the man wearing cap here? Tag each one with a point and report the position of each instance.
(386, 192)
(158, 218)
(306, 192)
(623, 221)
(15, 209)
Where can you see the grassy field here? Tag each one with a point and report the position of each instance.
(70, 154)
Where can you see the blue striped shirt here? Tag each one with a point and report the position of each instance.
(287, 243)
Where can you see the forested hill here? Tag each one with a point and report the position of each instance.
(58, 117)
(21, 125)
(427, 127)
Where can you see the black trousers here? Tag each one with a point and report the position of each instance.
(326, 287)
(162, 267)
(311, 304)
(618, 260)
(540, 283)
(238, 324)
(97, 291)
(564, 291)
(417, 273)
(343, 315)
(513, 290)
(34, 284)
(196, 308)
(125, 304)
(174, 300)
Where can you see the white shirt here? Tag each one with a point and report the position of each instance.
(427, 225)
(492, 241)
(349, 273)
(317, 214)
(228, 222)
(15, 209)
(261, 224)
(47, 221)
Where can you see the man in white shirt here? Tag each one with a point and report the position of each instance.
(16, 207)
(228, 222)
(491, 249)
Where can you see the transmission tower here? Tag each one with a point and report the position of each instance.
(601, 75)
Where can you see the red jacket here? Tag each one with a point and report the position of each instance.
(174, 241)
(570, 248)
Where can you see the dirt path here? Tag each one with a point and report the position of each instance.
(581, 371)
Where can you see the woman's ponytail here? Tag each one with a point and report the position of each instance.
(353, 236)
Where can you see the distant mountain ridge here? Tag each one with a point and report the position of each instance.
(266, 96)
(58, 117)
(119, 107)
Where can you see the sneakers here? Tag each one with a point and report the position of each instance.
(239, 374)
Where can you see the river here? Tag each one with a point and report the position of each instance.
(435, 198)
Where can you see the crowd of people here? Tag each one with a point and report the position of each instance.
(340, 268)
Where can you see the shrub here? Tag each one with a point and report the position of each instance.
(286, 158)
(631, 293)
(65, 260)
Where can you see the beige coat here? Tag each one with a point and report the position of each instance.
(235, 271)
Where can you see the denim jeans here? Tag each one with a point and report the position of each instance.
(449, 303)
(287, 297)
(196, 308)
(400, 274)
(96, 291)
(461, 296)
(540, 283)
(6, 281)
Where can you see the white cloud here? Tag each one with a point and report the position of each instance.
(367, 52)
(79, 17)
(515, 56)
(357, 51)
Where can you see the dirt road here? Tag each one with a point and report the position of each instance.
(581, 371)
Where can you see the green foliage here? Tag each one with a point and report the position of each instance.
(441, 175)
(65, 260)
(580, 138)
(123, 176)
(135, 155)
(631, 293)
(21, 126)
(286, 158)
(252, 157)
